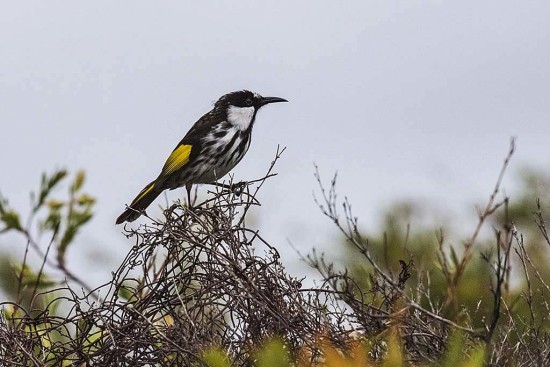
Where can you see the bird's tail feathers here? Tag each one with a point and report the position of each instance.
(140, 203)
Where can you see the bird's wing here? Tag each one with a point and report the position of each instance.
(184, 151)
(177, 159)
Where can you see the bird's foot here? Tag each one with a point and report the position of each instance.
(238, 188)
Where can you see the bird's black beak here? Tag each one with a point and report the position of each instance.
(267, 100)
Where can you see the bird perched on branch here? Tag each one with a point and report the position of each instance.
(209, 150)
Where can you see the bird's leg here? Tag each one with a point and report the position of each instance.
(188, 188)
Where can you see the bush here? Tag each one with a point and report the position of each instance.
(200, 287)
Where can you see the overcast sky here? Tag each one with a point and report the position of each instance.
(410, 99)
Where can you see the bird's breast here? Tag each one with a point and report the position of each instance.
(226, 146)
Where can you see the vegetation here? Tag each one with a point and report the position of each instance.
(200, 287)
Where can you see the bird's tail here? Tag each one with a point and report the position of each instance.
(140, 203)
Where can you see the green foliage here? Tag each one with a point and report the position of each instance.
(9, 217)
(274, 353)
(60, 219)
(461, 280)
(454, 356)
(30, 278)
(405, 235)
(216, 358)
(47, 184)
(459, 283)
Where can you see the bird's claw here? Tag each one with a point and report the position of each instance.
(238, 188)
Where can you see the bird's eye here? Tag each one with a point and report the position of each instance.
(248, 101)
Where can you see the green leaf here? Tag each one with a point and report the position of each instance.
(454, 354)
(394, 357)
(3, 202)
(54, 204)
(30, 278)
(215, 358)
(78, 181)
(477, 359)
(56, 178)
(83, 327)
(67, 238)
(273, 354)
(46, 186)
(127, 290)
(85, 200)
(80, 218)
(52, 222)
(11, 220)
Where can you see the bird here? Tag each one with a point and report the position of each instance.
(213, 146)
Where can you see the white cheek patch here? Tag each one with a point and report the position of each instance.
(240, 117)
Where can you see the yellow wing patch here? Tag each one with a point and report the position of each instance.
(178, 158)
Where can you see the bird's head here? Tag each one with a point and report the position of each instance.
(241, 106)
(245, 99)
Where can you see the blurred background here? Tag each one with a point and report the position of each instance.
(410, 101)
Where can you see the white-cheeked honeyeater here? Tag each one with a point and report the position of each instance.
(209, 150)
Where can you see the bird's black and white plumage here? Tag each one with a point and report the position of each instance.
(209, 150)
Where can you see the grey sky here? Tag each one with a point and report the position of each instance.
(405, 99)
